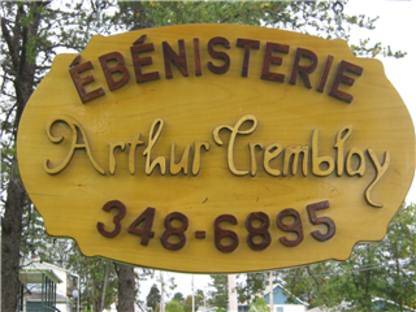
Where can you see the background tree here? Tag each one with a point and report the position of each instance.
(198, 301)
(259, 305)
(126, 287)
(382, 269)
(219, 296)
(174, 306)
(178, 297)
(153, 298)
(23, 36)
(31, 34)
(253, 287)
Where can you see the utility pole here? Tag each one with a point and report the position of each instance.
(162, 293)
(193, 294)
(1, 233)
(271, 292)
(232, 294)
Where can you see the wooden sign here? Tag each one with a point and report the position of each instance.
(216, 148)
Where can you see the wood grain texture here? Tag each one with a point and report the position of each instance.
(356, 153)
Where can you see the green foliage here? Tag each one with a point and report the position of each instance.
(198, 301)
(219, 296)
(187, 304)
(153, 298)
(178, 297)
(174, 306)
(384, 269)
(259, 305)
(253, 287)
(310, 17)
(199, 298)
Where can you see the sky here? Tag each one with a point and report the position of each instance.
(396, 28)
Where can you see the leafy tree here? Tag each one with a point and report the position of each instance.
(26, 47)
(253, 287)
(187, 304)
(259, 305)
(219, 296)
(98, 279)
(153, 298)
(384, 269)
(31, 34)
(174, 306)
(198, 301)
(199, 298)
(178, 297)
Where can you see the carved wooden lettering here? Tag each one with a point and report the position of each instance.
(318, 161)
(293, 154)
(219, 55)
(351, 163)
(360, 170)
(134, 143)
(235, 131)
(141, 47)
(80, 82)
(271, 152)
(179, 60)
(197, 57)
(174, 231)
(253, 162)
(341, 78)
(295, 227)
(262, 230)
(113, 204)
(155, 132)
(325, 73)
(381, 170)
(79, 141)
(248, 45)
(182, 165)
(145, 232)
(221, 234)
(321, 220)
(269, 59)
(197, 161)
(112, 158)
(119, 68)
(342, 137)
(304, 71)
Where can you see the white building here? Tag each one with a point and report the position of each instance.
(46, 287)
(280, 297)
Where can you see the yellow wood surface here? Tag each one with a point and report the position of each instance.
(193, 110)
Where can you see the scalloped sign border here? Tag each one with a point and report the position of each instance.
(216, 148)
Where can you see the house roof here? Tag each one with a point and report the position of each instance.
(284, 290)
(33, 276)
(33, 272)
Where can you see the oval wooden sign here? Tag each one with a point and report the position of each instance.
(216, 148)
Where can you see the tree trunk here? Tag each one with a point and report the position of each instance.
(11, 233)
(16, 36)
(126, 288)
(104, 288)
